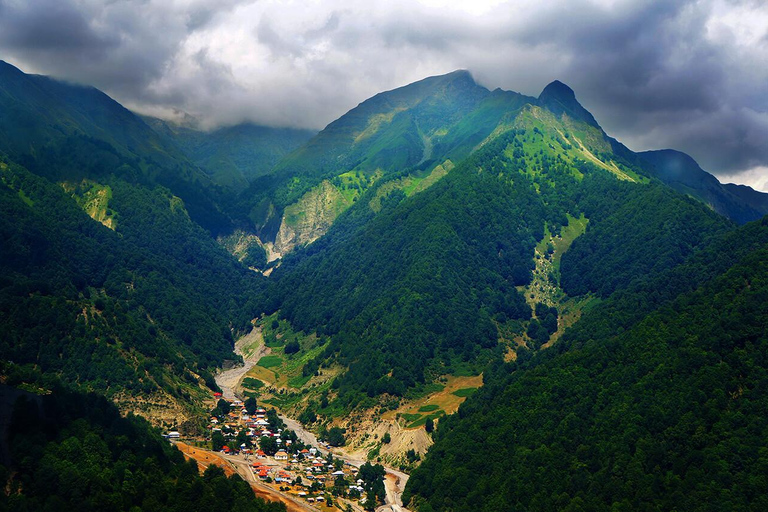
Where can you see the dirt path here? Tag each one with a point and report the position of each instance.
(252, 348)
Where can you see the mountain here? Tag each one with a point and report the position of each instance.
(419, 127)
(418, 131)
(438, 282)
(69, 132)
(755, 199)
(560, 99)
(651, 402)
(233, 156)
(140, 306)
(681, 172)
(110, 276)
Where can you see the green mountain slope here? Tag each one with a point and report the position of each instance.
(147, 308)
(659, 411)
(428, 284)
(412, 128)
(411, 131)
(70, 132)
(233, 156)
(678, 170)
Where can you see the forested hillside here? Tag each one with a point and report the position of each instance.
(75, 451)
(233, 156)
(424, 287)
(652, 403)
(69, 132)
(152, 303)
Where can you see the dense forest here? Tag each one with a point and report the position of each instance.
(427, 281)
(73, 450)
(657, 411)
(114, 309)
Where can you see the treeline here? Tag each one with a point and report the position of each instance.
(653, 402)
(75, 451)
(114, 310)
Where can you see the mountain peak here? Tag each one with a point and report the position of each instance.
(558, 89)
(560, 99)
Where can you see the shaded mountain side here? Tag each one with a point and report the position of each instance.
(147, 308)
(754, 198)
(233, 156)
(68, 132)
(662, 412)
(681, 172)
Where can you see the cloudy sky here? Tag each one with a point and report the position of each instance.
(690, 75)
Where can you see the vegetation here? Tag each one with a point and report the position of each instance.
(465, 392)
(76, 451)
(147, 306)
(658, 412)
(419, 289)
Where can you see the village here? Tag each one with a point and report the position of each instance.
(248, 435)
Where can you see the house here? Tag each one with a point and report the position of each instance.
(281, 455)
(173, 435)
(263, 473)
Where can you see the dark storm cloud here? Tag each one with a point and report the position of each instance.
(683, 74)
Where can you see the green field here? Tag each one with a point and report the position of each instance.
(251, 383)
(270, 361)
(464, 392)
(410, 418)
(423, 420)
(429, 408)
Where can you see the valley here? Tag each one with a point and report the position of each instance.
(449, 298)
(252, 348)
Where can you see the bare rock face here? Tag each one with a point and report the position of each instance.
(310, 217)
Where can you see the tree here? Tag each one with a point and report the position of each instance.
(386, 438)
(268, 444)
(429, 426)
(217, 441)
(336, 437)
(251, 405)
(222, 408)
